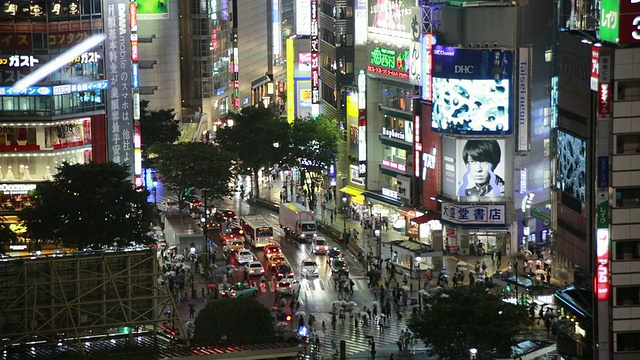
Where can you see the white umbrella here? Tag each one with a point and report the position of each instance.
(540, 271)
(351, 304)
(179, 257)
(471, 271)
(374, 303)
(172, 247)
(548, 261)
(405, 288)
(157, 228)
(300, 313)
(461, 263)
(337, 303)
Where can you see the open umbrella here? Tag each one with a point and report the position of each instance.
(548, 261)
(461, 263)
(157, 228)
(373, 303)
(471, 271)
(172, 247)
(405, 288)
(179, 257)
(539, 272)
(300, 313)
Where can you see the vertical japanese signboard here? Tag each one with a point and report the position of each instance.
(426, 43)
(118, 63)
(523, 99)
(315, 61)
(362, 123)
(604, 87)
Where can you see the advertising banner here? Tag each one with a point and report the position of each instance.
(118, 71)
(619, 21)
(360, 22)
(595, 65)
(415, 64)
(426, 45)
(153, 9)
(571, 174)
(523, 99)
(604, 86)
(601, 281)
(474, 214)
(449, 166)
(389, 61)
(480, 167)
(395, 17)
(471, 90)
(303, 17)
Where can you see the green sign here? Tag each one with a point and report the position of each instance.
(153, 9)
(609, 20)
(602, 217)
(389, 58)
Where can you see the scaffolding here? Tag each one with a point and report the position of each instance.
(73, 298)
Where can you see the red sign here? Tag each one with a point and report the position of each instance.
(601, 281)
(133, 16)
(595, 64)
(385, 71)
(417, 145)
(604, 98)
(629, 32)
(135, 51)
(629, 7)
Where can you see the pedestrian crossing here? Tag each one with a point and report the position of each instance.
(356, 337)
(318, 284)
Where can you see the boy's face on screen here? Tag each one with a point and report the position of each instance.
(479, 170)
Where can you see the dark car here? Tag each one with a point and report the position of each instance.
(284, 271)
(333, 253)
(223, 215)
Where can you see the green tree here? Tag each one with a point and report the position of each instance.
(464, 318)
(234, 318)
(194, 165)
(156, 127)
(313, 145)
(258, 139)
(91, 204)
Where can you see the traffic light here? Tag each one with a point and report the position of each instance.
(508, 287)
(288, 318)
(125, 330)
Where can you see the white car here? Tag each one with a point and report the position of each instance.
(167, 205)
(288, 286)
(254, 268)
(320, 245)
(244, 256)
(309, 268)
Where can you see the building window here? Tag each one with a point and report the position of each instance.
(397, 98)
(629, 197)
(627, 295)
(547, 178)
(628, 341)
(627, 250)
(628, 144)
(548, 55)
(547, 147)
(394, 156)
(547, 116)
(627, 90)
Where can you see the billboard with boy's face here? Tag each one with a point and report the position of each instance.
(474, 169)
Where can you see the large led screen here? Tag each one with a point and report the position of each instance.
(571, 165)
(470, 106)
(474, 168)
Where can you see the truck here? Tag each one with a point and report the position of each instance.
(297, 221)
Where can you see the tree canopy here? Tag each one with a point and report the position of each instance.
(460, 319)
(91, 204)
(313, 145)
(258, 138)
(194, 165)
(234, 318)
(157, 126)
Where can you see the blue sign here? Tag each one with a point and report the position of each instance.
(603, 171)
(303, 331)
(457, 63)
(135, 76)
(29, 91)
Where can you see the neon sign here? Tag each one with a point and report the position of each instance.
(390, 59)
(601, 281)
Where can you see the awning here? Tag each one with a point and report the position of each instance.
(261, 81)
(425, 218)
(355, 193)
(382, 198)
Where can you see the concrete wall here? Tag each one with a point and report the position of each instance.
(253, 44)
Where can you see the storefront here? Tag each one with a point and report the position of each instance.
(475, 229)
(573, 323)
(388, 209)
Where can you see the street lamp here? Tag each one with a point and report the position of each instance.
(376, 232)
(155, 192)
(418, 260)
(344, 213)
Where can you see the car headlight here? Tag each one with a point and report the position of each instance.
(302, 235)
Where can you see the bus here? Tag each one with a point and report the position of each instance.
(257, 231)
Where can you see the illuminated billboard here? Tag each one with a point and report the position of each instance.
(571, 175)
(474, 168)
(395, 17)
(471, 91)
(152, 9)
(619, 21)
(601, 280)
(303, 17)
(389, 61)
